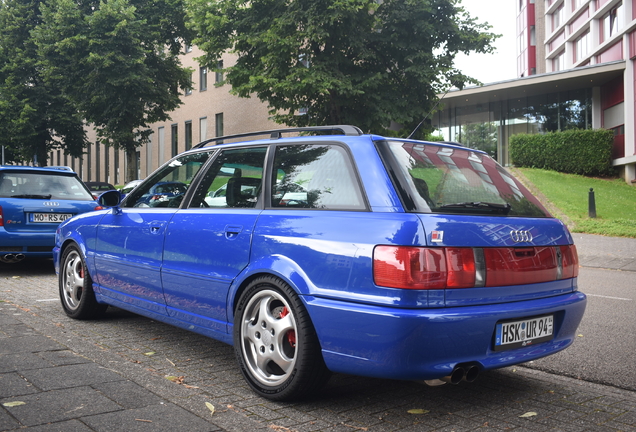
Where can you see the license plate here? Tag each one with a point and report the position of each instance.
(530, 331)
(50, 217)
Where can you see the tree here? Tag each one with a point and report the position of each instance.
(481, 136)
(117, 60)
(35, 117)
(361, 62)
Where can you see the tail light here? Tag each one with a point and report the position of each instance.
(438, 268)
(1, 217)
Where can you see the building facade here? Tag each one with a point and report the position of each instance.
(576, 69)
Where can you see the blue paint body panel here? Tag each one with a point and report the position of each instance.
(188, 265)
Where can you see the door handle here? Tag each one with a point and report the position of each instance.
(232, 231)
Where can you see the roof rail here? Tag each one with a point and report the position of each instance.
(277, 133)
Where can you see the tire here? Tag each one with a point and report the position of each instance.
(76, 287)
(275, 342)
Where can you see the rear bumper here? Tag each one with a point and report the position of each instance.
(428, 343)
(31, 244)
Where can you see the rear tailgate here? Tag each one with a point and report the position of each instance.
(39, 215)
(513, 259)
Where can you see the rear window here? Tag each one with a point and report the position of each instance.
(448, 180)
(34, 185)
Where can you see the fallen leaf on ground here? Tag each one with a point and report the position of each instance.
(13, 404)
(417, 411)
(175, 379)
(210, 407)
(150, 353)
(528, 414)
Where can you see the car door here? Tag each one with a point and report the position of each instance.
(208, 244)
(129, 242)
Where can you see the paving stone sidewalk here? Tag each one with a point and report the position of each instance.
(129, 373)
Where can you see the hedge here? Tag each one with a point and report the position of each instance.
(585, 152)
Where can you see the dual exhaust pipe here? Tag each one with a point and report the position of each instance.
(12, 258)
(461, 372)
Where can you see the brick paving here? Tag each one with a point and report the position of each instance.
(129, 373)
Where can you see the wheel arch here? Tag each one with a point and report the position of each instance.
(278, 266)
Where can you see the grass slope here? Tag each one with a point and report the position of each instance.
(568, 193)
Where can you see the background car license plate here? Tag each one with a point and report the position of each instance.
(514, 334)
(49, 217)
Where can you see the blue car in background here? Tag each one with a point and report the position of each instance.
(339, 252)
(33, 202)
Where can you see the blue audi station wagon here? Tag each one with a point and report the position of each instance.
(33, 202)
(334, 252)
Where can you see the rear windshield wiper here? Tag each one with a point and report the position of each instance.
(32, 196)
(479, 206)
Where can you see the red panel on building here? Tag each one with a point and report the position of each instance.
(615, 52)
(579, 21)
(612, 93)
(632, 44)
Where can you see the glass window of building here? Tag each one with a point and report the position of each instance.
(558, 62)
(582, 46)
(203, 79)
(612, 22)
(557, 18)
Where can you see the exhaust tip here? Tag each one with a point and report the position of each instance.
(471, 373)
(12, 258)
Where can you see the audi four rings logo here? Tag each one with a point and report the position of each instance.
(51, 203)
(519, 236)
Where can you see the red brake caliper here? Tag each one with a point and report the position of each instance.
(291, 334)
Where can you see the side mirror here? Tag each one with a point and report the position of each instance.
(109, 199)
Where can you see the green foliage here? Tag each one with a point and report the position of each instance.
(585, 152)
(360, 62)
(615, 201)
(434, 138)
(117, 62)
(481, 136)
(36, 117)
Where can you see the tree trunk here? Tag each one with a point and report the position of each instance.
(131, 165)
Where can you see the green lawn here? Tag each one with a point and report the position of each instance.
(567, 195)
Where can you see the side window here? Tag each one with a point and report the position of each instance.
(167, 187)
(315, 177)
(234, 180)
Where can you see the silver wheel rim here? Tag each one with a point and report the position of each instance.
(267, 330)
(73, 280)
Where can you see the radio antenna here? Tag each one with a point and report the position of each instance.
(430, 112)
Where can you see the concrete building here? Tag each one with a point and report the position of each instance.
(576, 69)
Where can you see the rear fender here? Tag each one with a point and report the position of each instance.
(277, 265)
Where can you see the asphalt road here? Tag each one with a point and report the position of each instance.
(604, 351)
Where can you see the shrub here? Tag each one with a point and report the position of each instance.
(585, 152)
